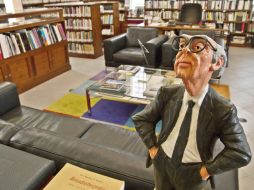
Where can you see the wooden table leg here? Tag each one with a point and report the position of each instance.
(88, 102)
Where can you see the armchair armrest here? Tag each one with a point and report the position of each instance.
(112, 45)
(154, 48)
(168, 55)
(9, 97)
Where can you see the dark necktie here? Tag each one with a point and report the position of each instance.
(183, 136)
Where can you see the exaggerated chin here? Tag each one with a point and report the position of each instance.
(183, 73)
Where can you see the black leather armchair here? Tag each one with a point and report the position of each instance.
(191, 13)
(125, 50)
(168, 55)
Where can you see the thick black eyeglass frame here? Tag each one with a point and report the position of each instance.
(189, 41)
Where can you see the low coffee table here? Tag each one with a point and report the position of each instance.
(139, 86)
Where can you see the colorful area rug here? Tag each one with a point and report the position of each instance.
(106, 110)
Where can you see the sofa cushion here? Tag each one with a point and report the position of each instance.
(131, 56)
(143, 34)
(7, 130)
(23, 171)
(29, 118)
(116, 139)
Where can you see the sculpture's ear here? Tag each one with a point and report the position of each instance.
(218, 64)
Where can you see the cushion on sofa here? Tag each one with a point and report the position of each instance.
(143, 34)
(115, 139)
(29, 117)
(23, 171)
(7, 130)
(131, 55)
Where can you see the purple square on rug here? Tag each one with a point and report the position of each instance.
(112, 111)
(99, 76)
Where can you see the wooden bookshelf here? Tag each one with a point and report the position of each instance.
(225, 12)
(109, 12)
(83, 40)
(40, 63)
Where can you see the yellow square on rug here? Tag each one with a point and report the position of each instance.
(71, 104)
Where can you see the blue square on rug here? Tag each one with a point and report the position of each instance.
(112, 111)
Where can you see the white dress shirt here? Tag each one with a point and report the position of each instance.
(191, 153)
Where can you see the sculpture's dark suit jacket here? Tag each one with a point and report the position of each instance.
(217, 120)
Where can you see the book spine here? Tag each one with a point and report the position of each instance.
(60, 28)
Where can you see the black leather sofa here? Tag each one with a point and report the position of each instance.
(105, 149)
(124, 49)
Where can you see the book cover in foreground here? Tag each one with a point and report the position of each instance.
(71, 177)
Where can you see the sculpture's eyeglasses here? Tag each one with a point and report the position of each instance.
(195, 44)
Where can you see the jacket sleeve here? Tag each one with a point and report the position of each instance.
(146, 120)
(236, 152)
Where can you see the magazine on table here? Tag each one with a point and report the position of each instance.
(129, 69)
(111, 84)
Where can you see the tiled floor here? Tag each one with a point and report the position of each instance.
(239, 75)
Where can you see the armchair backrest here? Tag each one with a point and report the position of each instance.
(143, 34)
(191, 12)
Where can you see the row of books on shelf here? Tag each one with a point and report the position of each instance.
(108, 31)
(169, 15)
(121, 5)
(206, 4)
(77, 11)
(229, 5)
(174, 15)
(106, 8)
(121, 17)
(235, 27)
(45, 1)
(81, 36)
(21, 41)
(85, 24)
(163, 4)
(80, 48)
(251, 27)
(206, 16)
(107, 19)
(228, 16)
(238, 40)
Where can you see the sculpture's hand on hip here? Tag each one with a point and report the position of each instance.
(204, 173)
(153, 151)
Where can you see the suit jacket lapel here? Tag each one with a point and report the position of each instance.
(204, 120)
(172, 114)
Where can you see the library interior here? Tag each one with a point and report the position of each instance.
(76, 74)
